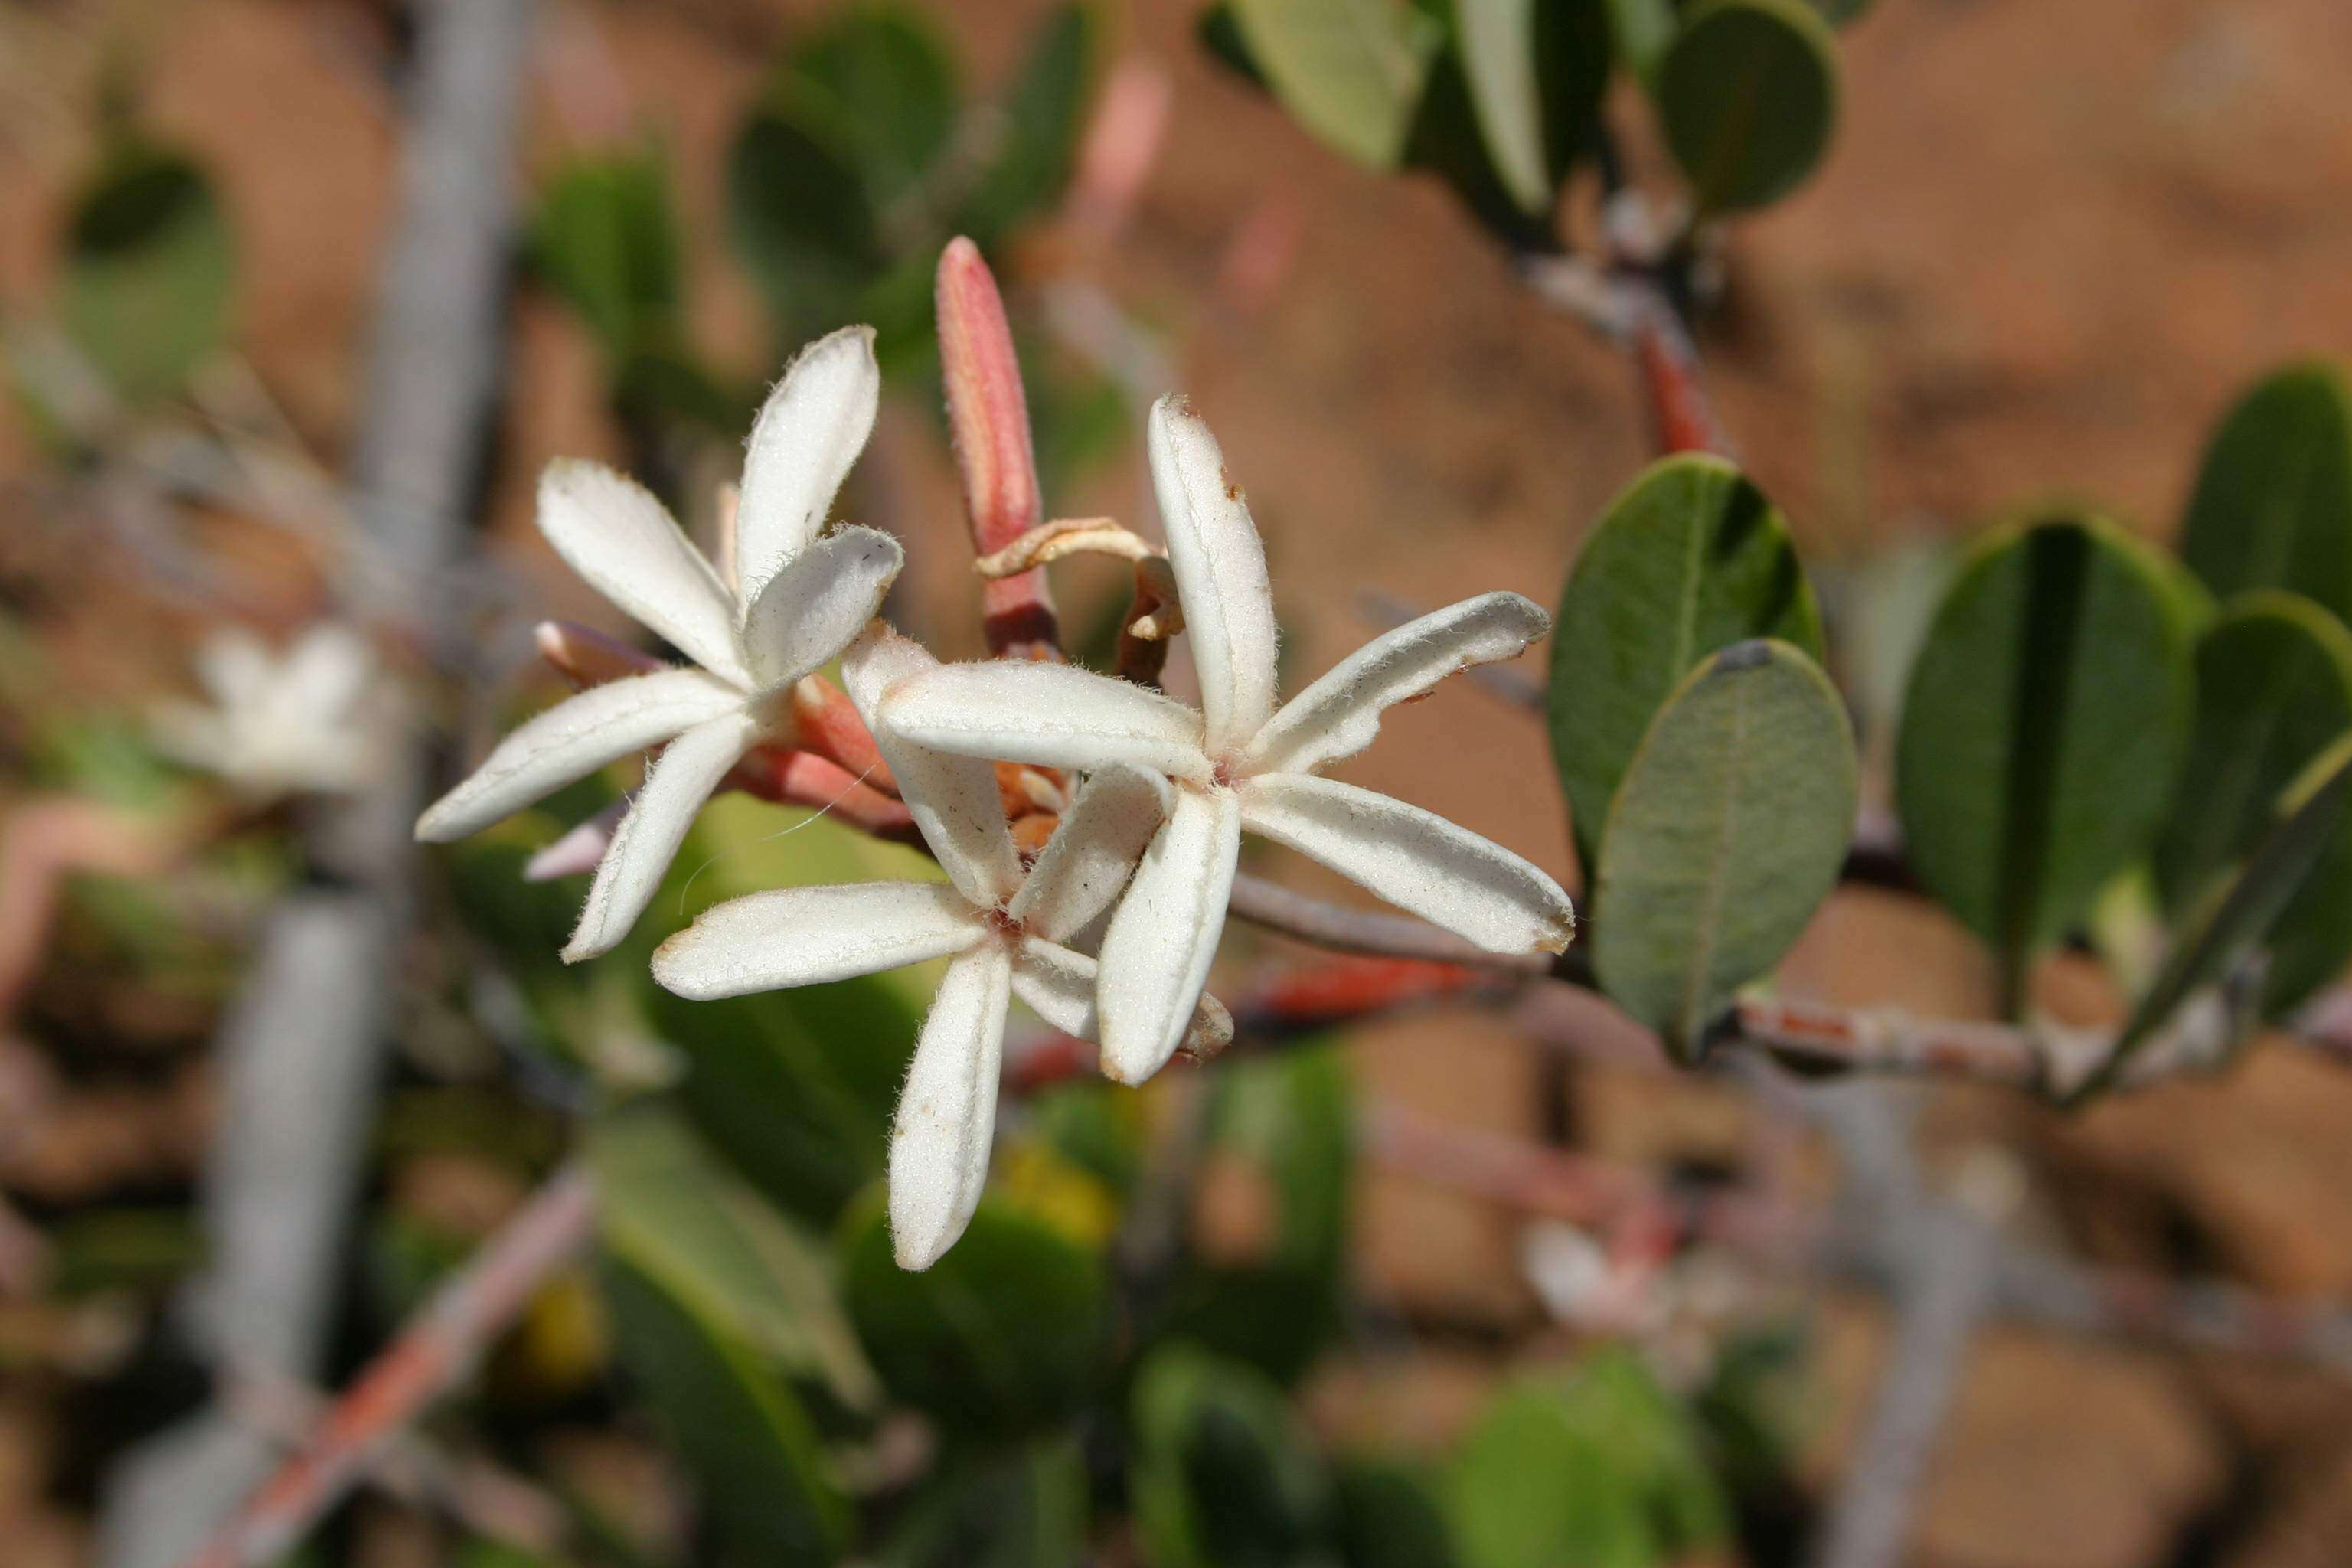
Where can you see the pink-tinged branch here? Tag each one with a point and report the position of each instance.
(439, 1345)
(1682, 416)
(826, 722)
(987, 415)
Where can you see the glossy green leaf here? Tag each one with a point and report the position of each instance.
(1043, 112)
(1389, 1515)
(2273, 506)
(1691, 558)
(1008, 1331)
(1022, 1509)
(2236, 918)
(1536, 68)
(1748, 94)
(1727, 832)
(1223, 1476)
(1286, 1125)
(745, 1439)
(149, 268)
(663, 1198)
(2041, 730)
(605, 240)
(1350, 71)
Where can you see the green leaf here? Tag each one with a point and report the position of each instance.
(663, 1198)
(1533, 1488)
(1284, 1126)
(605, 240)
(1008, 1331)
(742, 1435)
(1023, 1508)
(1645, 30)
(150, 266)
(1747, 93)
(1727, 832)
(2041, 731)
(2236, 918)
(2273, 506)
(1839, 13)
(1043, 114)
(1690, 559)
(1222, 1476)
(1656, 1444)
(1350, 71)
(1389, 1516)
(876, 84)
(1536, 68)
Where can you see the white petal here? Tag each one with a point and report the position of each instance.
(812, 429)
(577, 852)
(1054, 714)
(234, 665)
(954, 800)
(1339, 714)
(807, 936)
(624, 544)
(1092, 852)
(326, 672)
(947, 1111)
(1416, 859)
(1156, 956)
(1059, 984)
(675, 785)
(573, 739)
(811, 609)
(1220, 577)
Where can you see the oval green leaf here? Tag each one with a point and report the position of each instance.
(1044, 110)
(1747, 93)
(1690, 559)
(149, 268)
(1008, 1331)
(2273, 506)
(1535, 69)
(605, 241)
(1728, 833)
(2042, 728)
(1350, 71)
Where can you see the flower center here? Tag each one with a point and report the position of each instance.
(1004, 925)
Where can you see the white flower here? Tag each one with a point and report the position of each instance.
(797, 596)
(1240, 762)
(1003, 931)
(281, 724)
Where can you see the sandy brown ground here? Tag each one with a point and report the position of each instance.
(2053, 239)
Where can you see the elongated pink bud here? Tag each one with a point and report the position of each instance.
(987, 415)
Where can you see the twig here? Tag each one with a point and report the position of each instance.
(439, 1346)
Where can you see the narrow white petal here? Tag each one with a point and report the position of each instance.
(811, 609)
(954, 799)
(1059, 984)
(1339, 714)
(675, 785)
(807, 936)
(815, 425)
(326, 672)
(1156, 956)
(624, 544)
(1092, 853)
(577, 852)
(1220, 568)
(1416, 859)
(573, 739)
(1054, 714)
(947, 1111)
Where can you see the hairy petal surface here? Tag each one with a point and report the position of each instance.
(1059, 983)
(807, 936)
(1092, 853)
(1156, 955)
(1339, 715)
(677, 784)
(954, 800)
(624, 544)
(573, 739)
(947, 1111)
(1220, 566)
(810, 432)
(1416, 859)
(1052, 714)
(809, 611)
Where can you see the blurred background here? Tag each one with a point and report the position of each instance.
(2046, 249)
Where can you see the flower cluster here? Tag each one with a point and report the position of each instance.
(1152, 795)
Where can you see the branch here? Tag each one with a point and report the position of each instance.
(439, 1345)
